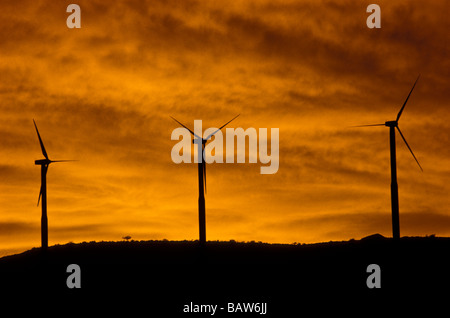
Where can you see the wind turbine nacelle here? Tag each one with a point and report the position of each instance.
(391, 123)
(195, 141)
(42, 162)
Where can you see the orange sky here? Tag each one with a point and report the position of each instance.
(103, 94)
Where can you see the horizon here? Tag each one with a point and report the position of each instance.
(103, 94)
(375, 236)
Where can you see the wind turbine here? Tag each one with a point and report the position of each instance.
(394, 186)
(44, 163)
(201, 142)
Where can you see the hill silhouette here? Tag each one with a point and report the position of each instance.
(176, 272)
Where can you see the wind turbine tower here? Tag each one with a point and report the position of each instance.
(44, 163)
(201, 142)
(394, 185)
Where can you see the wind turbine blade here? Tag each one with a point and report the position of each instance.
(40, 141)
(230, 121)
(369, 125)
(186, 128)
(63, 160)
(40, 191)
(409, 148)
(404, 104)
(204, 166)
(39, 197)
(204, 174)
(221, 127)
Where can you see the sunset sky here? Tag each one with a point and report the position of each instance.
(103, 95)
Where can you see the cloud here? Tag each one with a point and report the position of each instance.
(13, 229)
(103, 94)
(344, 226)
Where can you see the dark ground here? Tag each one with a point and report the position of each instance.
(160, 277)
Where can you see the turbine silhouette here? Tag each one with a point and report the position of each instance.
(394, 186)
(201, 142)
(44, 163)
